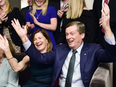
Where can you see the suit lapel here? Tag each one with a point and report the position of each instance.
(83, 58)
(63, 55)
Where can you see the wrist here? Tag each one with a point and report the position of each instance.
(25, 39)
(7, 50)
(10, 58)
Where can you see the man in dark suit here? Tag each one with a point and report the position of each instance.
(24, 11)
(97, 6)
(88, 56)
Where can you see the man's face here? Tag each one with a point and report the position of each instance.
(30, 2)
(73, 37)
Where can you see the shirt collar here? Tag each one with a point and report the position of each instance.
(79, 48)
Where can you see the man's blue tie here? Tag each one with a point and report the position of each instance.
(70, 70)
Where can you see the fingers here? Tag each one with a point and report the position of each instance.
(1, 37)
(32, 15)
(25, 28)
(60, 13)
(5, 38)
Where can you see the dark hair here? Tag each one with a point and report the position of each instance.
(46, 35)
(80, 26)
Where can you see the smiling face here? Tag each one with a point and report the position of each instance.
(2, 2)
(73, 37)
(39, 3)
(29, 2)
(40, 42)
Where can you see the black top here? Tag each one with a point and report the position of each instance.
(88, 19)
(15, 13)
(23, 13)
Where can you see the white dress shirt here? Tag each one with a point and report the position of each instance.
(76, 79)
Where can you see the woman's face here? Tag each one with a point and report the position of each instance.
(40, 42)
(2, 2)
(39, 3)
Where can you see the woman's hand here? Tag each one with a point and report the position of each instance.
(4, 45)
(20, 31)
(29, 26)
(34, 19)
(3, 17)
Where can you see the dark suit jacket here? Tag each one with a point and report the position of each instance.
(91, 55)
(97, 6)
(23, 14)
(56, 33)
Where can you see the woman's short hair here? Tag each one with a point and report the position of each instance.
(46, 35)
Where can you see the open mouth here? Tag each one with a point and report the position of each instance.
(70, 41)
(38, 44)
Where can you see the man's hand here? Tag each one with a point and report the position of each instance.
(105, 21)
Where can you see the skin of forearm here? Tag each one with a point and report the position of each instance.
(24, 39)
(108, 32)
(14, 65)
(47, 26)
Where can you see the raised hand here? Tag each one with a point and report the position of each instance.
(105, 21)
(4, 45)
(20, 31)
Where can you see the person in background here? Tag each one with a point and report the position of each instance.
(61, 7)
(78, 11)
(8, 13)
(42, 16)
(8, 78)
(24, 11)
(97, 7)
(75, 62)
(40, 76)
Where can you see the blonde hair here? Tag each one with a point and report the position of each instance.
(44, 9)
(75, 8)
(8, 7)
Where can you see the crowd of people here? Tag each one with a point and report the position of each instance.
(61, 42)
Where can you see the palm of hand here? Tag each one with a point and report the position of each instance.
(3, 43)
(20, 31)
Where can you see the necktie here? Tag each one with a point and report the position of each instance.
(70, 70)
(105, 1)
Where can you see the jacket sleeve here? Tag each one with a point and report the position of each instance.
(41, 58)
